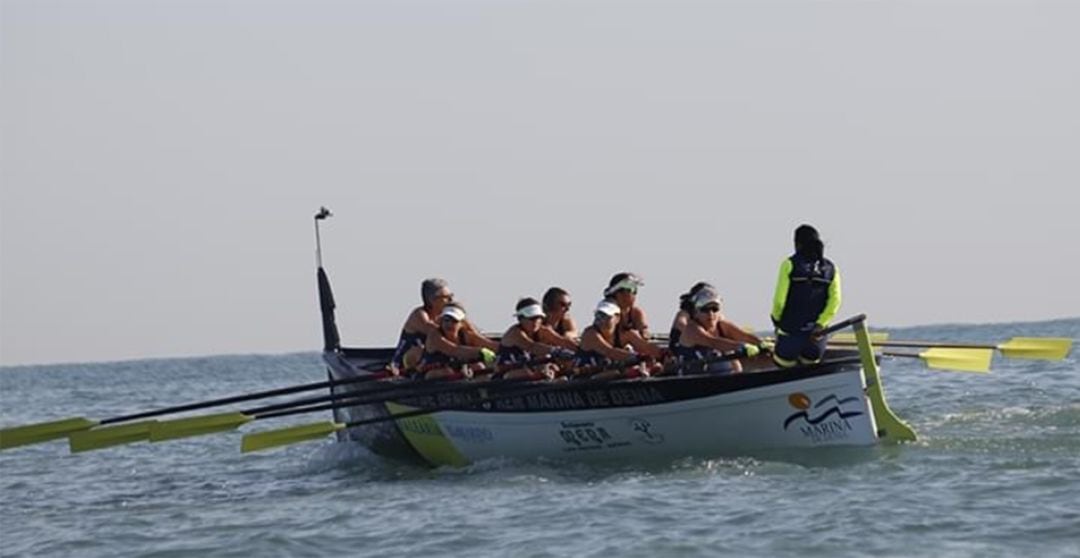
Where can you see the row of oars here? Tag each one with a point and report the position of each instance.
(86, 434)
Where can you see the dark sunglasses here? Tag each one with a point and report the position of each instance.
(711, 309)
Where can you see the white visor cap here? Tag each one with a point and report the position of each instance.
(704, 297)
(454, 313)
(608, 308)
(531, 311)
(631, 282)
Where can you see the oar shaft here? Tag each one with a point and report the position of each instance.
(393, 389)
(924, 344)
(365, 397)
(238, 399)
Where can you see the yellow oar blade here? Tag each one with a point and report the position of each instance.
(849, 338)
(286, 436)
(42, 431)
(963, 360)
(108, 436)
(197, 426)
(1040, 348)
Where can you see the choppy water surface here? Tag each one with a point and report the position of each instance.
(996, 473)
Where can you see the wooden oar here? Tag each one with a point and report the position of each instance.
(160, 431)
(1037, 348)
(305, 432)
(55, 429)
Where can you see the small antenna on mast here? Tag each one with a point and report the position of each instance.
(322, 214)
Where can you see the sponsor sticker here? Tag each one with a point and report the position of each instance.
(587, 436)
(824, 421)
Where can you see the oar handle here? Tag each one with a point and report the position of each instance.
(841, 325)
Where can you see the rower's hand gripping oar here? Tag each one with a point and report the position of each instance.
(55, 429)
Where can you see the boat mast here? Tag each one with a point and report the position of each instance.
(331, 339)
(322, 214)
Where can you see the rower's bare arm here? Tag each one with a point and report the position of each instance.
(517, 338)
(680, 321)
(694, 334)
(732, 331)
(571, 333)
(478, 339)
(593, 341)
(420, 322)
(637, 318)
(549, 336)
(440, 344)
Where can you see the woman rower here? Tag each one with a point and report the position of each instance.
(702, 339)
(422, 321)
(520, 346)
(558, 327)
(599, 354)
(633, 331)
(454, 351)
(686, 308)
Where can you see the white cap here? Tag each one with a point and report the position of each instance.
(531, 311)
(453, 312)
(704, 297)
(608, 308)
(631, 282)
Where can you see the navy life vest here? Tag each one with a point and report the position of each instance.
(808, 292)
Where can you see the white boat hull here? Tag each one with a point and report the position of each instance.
(632, 420)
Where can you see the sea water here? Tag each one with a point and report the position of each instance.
(996, 472)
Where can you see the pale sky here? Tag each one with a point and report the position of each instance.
(162, 160)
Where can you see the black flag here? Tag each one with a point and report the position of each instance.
(331, 340)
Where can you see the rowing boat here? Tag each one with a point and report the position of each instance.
(837, 402)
